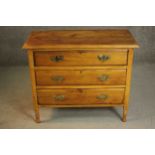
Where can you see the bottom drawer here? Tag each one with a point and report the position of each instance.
(84, 96)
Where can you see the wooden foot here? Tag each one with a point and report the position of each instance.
(37, 118)
(124, 118)
(124, 114)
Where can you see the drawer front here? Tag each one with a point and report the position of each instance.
(80, 58)
(80, 96)
(80, 77)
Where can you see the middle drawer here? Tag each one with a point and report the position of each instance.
(81, 77)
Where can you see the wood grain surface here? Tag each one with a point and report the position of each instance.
(81, 39)
(81, 96)
(81, 58)
(80, 77)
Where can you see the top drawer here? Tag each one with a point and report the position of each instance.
(80, 58)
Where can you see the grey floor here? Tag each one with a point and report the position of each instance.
(16, 110)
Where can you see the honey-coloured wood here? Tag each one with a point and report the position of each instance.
(80, 86)
(80, 96)
(128, 83)
(81, 58)
(82, 68)
(80, 77)
(33, 82)
(80, 39)
(81, 105)
(79, 67)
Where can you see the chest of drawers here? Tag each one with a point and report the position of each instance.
(80, 68)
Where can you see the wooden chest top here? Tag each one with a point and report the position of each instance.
(80, 39)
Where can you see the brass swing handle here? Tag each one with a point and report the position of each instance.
(57, 78)
(102, 97)
(59, 97)
(103, 57)
(103, 77)
(57, 58)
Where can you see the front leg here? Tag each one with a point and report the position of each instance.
(125, 110)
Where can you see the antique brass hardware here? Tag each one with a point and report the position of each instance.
(103, 77)
(59, 97)
(57, 58)
(103, 57)
(57, 78)
(102, 97)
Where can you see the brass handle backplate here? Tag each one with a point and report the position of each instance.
(57, 78)
(103, 57)
(102, 97)
(57, 58)
(103, 77)
(59, 97)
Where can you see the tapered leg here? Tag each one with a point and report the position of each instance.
(37, 117)
(33, 80)
(37, 114)
(125, 110)
(128, 81)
